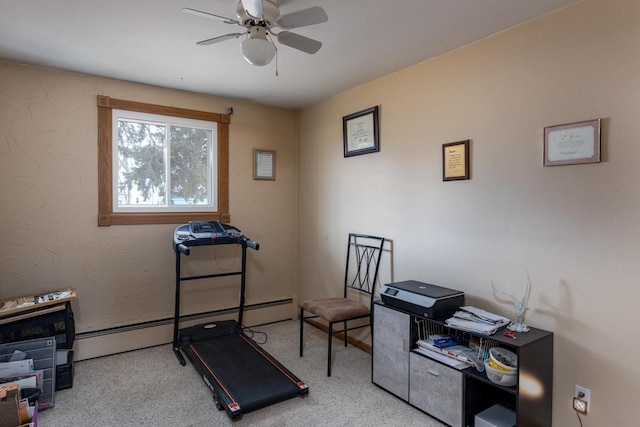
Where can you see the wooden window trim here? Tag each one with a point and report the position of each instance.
(106, 216)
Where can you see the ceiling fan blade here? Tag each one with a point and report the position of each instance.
(254, 8)
(219, 39)
(303, 18)
(299, 42)
(210, 15)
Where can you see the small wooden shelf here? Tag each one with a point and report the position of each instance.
(11, 307)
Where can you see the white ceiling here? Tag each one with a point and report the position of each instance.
(153, 42)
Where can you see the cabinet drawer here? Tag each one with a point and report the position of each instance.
(436, 389)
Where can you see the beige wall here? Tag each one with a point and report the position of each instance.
(574, 229)
(125, 274)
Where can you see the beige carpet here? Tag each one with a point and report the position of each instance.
(149, 388)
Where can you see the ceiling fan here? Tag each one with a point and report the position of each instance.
(260, 18)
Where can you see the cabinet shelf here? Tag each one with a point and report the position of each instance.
(482, 376)
(397, 368)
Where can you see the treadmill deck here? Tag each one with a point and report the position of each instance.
(241, 374)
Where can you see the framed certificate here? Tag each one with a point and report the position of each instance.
(264, 164)
(455, 161)
(360, 132)
(572, 143)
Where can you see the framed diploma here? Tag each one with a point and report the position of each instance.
(573, 143)
(264, 164)
(455, 161)
(360, 132)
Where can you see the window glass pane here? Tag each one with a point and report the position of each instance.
(141, 164)
(190, 165)
(164, 164)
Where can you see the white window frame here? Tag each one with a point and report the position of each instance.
(167, 121)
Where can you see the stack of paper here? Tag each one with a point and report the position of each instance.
(454, 363)
(21, 361)
(454, 356)
(16, 367)
(473, 319)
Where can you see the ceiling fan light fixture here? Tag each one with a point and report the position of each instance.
(256, 49)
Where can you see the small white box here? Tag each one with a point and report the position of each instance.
(62, 356)
(496, 416)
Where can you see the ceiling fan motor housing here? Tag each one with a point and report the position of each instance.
(270, 16)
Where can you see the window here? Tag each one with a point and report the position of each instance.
(161, 164)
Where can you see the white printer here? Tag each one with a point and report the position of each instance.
(423, 299)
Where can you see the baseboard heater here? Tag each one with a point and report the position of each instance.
(169, 320)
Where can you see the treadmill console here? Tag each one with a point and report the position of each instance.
(208, 229)
(206, 233)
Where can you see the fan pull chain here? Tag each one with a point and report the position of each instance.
(276, 48)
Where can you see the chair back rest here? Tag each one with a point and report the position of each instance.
(363, 261)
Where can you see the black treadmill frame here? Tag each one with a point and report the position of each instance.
(179, 279)
(222, 397)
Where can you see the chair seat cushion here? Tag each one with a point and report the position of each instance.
(335, 309)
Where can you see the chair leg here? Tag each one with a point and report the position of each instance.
(301, 326)
(329, 346)
(345, 333)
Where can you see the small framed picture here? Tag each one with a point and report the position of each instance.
(264, 164)
(455, 161)
(360, 132)
(572, 143)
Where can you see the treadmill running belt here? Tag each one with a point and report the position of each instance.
(248, 373)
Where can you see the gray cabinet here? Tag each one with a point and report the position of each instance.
(391, 341)
(456, 396)
(424, 383)
(436, 389)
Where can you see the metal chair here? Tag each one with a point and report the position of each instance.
(361, 275)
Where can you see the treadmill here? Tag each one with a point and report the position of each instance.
(241, 375)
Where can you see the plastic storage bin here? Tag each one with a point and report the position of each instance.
(53, 321)
(506, 379)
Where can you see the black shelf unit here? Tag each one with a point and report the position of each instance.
(531, 398)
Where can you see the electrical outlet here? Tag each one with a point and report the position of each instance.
(580, 406)
(582, 399)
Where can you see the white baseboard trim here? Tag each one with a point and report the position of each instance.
(124, 339)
